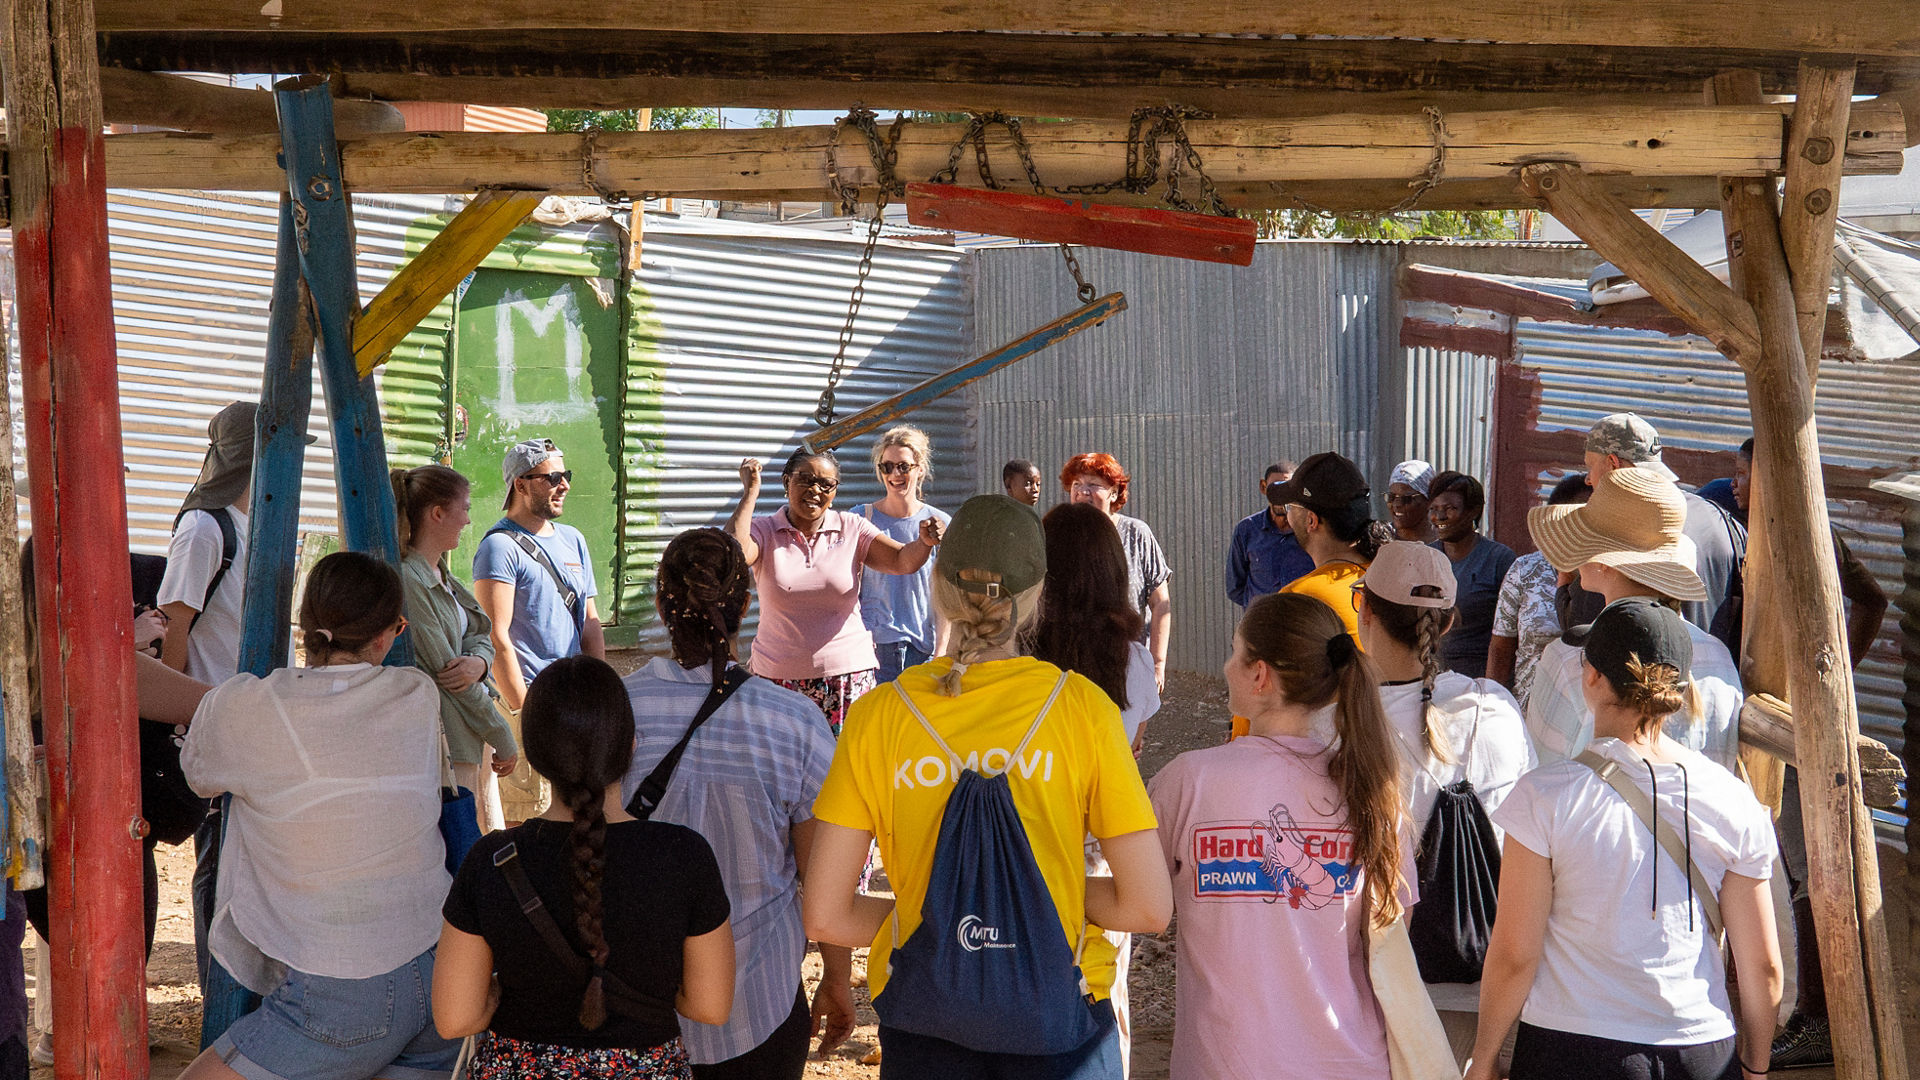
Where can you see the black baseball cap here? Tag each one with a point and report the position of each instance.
(1324, 483)
(1635, 628)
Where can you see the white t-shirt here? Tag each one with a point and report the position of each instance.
(1561, 725)
(1493, 758)
(1607, 968)
(193, 557)
(1143, 694)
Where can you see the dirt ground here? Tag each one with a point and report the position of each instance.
(1194, 714)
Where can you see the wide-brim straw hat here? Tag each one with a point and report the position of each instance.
(1632, 510)
(1669, 568)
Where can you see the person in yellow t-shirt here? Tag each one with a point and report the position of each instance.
(1330, 509)
(890, 781)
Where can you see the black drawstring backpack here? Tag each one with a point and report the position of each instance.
(1459, 868)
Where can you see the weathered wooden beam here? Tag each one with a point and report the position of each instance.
(1062, 75)
(1810, 198)
(881, 413)
(26, 833)
(169, 101)
(1863, 998)
(1257, 162)
(70, 405)
(421, 284)
(1867, 27)
(1670, 275)
(1766, 724)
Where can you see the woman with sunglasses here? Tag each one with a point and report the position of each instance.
(807, 560)
(898, 608)
(332, 871)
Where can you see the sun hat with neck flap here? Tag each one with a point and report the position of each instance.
(1633, 524)
(227, 468)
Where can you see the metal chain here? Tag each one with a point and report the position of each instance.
(884, 152)
(1428, 179)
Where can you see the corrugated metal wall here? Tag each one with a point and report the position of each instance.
(1449, 414)
(1210, 374)
(1867, 415)
(733, 330)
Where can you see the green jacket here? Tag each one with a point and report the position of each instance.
(469, 717)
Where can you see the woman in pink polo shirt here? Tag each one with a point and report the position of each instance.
(806, 559)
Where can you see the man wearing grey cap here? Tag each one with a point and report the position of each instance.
(1624, 440)
(532, 575)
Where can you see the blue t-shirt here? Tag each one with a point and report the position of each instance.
(899, 607)
(542, 630)
(1476, 581)
(1262, 559)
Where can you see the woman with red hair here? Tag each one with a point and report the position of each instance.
(1100, 482)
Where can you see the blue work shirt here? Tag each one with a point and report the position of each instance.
(542, 629)
(1262, 559)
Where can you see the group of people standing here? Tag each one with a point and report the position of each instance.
(962, 695)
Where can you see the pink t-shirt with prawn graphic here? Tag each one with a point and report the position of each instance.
(1272, 975)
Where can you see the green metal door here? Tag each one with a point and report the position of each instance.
(538, 356)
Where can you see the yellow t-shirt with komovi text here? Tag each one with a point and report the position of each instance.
(1076, 777)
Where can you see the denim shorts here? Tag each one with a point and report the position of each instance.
(316, 1028)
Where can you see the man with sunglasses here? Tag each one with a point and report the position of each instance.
(533, 576)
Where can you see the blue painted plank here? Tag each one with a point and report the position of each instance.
(882, 413)
(279, 450)
(324, 231)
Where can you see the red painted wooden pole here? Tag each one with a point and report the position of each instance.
(71, 406)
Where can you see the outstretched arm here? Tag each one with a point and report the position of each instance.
(740, 524)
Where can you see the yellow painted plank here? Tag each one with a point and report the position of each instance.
(449, 257)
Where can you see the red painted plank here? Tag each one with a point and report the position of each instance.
(1150, 231)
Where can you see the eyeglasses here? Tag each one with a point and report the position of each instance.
(1354, 595)
(553, 479)
(888, 468)
(1089, 489)
(402, 628)
(1403, 500)
(817, 483)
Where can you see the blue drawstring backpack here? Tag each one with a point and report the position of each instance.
(988, 967)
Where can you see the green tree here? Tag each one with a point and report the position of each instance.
(1407, 225)
(672, 119)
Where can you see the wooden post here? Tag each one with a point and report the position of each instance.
(324, 229)
(71, 406)
(1863, 1000)
(26, 835)
(1812, 196)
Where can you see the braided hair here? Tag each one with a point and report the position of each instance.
(1420, 629)
(578, 730)
(700, 591)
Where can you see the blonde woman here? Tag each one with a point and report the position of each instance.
(959, 724)
(898, 608)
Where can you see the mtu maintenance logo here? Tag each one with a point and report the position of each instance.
(1273, 860)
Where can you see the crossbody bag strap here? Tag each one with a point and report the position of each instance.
(569, 596)
(1669, 841)
(621, 997)
(646, 799)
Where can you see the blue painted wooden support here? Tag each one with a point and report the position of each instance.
(880, 414)
(279, 451)
(323, 226)
(273, 522)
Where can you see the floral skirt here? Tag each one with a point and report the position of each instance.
(833, 693)
(498, 1057)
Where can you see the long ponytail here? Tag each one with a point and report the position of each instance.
(578, 725)
(1317, 662)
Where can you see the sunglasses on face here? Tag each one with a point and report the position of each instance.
(553, 479)
(402, 628)
(888, 468)
(817, 483)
